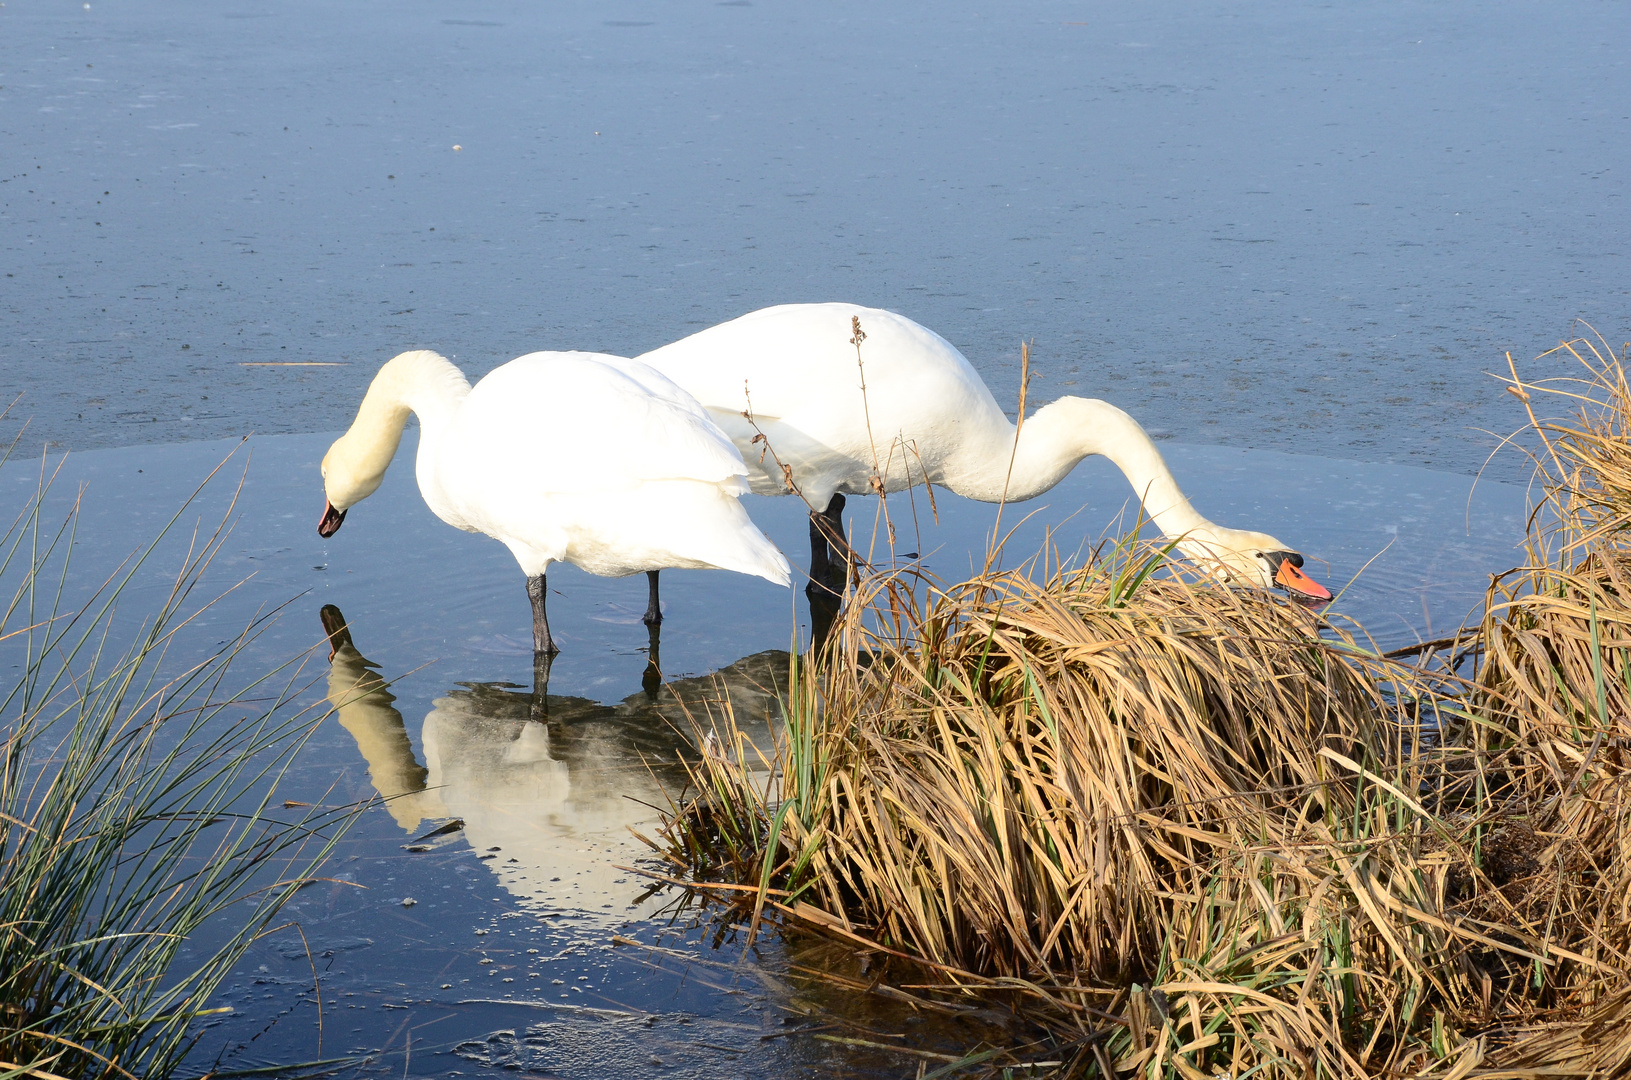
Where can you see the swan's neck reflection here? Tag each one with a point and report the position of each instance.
(364, 707)
(548, 787)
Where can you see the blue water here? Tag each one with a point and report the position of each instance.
(1304, 227)
(504, 942)
(1291, 239)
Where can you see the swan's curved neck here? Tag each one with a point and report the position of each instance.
(1061, 434)
(422, 383)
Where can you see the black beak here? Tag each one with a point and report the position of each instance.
(332, 520)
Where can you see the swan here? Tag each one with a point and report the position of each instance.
(790, 373)
(575, 457)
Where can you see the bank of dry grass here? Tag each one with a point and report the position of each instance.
(1199, 831)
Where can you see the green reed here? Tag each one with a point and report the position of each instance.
(137, 812)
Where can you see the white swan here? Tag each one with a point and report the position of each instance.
(926, 416)
(583, 458)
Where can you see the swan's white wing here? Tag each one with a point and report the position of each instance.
(654, 382)
(572, 457)
(582, 422)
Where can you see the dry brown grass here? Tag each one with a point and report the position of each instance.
(1029, 767)
(1199, 831)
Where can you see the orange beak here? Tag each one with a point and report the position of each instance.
(1294, 580)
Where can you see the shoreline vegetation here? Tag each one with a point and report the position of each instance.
(137, 787)
(1187, 831)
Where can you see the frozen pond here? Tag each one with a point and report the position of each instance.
(527, 945)
(1289, 238)
(1303, 227)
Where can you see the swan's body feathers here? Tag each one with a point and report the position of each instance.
(795, 368)
(925, 415)
(565, 457)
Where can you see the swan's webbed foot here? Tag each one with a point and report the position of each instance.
(542, 644)
(654, 609)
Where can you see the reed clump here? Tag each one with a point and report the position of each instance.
(1028, 768)
(1160, 811)
(141, 852)
(1193, 830)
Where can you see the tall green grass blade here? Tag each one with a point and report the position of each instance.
(136, 809)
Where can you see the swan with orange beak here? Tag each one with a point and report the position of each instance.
(915, 411)
(1252, 558)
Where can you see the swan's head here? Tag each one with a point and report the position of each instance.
(352, 471)
(355, 465)
(1251, 557)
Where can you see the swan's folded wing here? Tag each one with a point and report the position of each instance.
(657, 439)
(576, 422)
(651, 380)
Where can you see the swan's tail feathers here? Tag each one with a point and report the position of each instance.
(709, 524)
(769, 563)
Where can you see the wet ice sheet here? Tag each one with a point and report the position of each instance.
(519, 903)
(1301, 227)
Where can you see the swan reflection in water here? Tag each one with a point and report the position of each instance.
(548, 785)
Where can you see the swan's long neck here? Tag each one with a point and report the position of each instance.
(422, 383)
(1061, 434)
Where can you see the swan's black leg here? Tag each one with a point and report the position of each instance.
(824, 607)
(829, 569)
(837, 542)
(542, 644)
(820, 567)
(652, 679)
(829, 551)
(654, 610)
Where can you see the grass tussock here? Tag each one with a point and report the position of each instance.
(140, 850)
(1193, 830)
